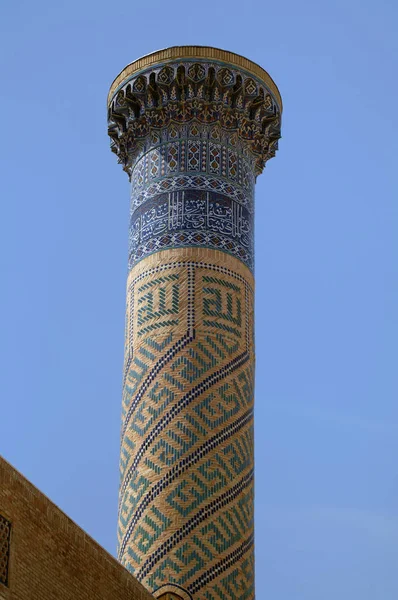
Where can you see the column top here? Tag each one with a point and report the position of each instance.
(194, 53)
(184, 84)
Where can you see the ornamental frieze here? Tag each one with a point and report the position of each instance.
(205, 92)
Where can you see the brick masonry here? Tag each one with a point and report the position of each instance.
(50, 556)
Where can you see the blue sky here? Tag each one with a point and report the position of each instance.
(327, 275)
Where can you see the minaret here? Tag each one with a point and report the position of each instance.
(192, 126)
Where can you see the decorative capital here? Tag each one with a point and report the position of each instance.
(194, 83)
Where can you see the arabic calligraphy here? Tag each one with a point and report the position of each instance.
(186, 212)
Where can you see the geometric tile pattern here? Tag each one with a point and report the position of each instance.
(5, 534)
(196, 190)
(188, 148)
(186, 488)
(191, 181)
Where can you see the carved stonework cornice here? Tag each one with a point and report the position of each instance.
(193, 89)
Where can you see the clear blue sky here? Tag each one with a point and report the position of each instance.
(327, 275)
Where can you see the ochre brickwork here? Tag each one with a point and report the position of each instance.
(186, 495)
(50, 556)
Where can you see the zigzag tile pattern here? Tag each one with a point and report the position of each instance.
(186, 468)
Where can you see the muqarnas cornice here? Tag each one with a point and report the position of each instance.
(193, 83)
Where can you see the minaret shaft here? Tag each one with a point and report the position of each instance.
(192, 128)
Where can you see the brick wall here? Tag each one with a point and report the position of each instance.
(48, 557)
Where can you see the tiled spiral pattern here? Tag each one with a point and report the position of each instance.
(186, 492)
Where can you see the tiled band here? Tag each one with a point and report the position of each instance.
(192, 185)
